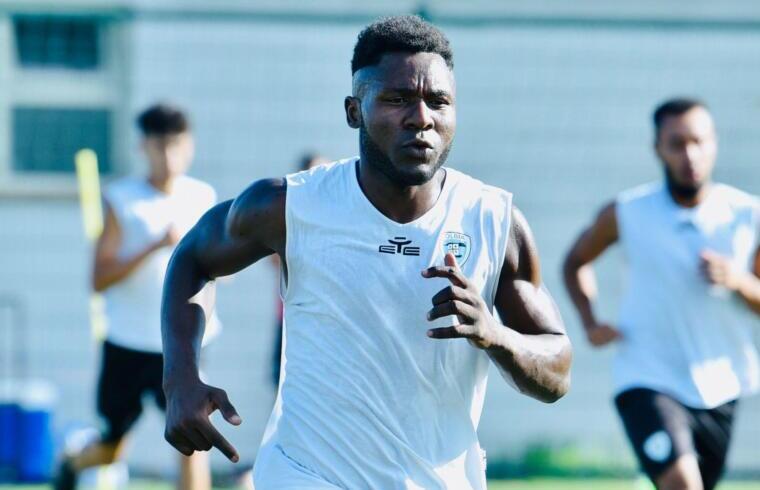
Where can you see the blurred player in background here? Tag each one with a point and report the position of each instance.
(144, 219)
(393, 267)
(685, 332)
(308, 160)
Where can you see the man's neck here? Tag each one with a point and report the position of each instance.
(690, 201)
(163, 184)
(400, 204)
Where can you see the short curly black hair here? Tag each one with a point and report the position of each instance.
(162, 119)
(674, 107)
(399, 34)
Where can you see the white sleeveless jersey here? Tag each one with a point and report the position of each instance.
(144, 214)
(682, 335)
(367, 400)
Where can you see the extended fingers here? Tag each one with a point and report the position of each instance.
(448, 272)
(188, 436)
(445, 333)
(194, 432)
(222, 402)
(199, 441)
(452, 307)
(452, 293)
(217, 440)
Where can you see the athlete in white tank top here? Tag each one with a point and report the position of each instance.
(145, 217)
(392, 365)
(684, 336)
(393, 267)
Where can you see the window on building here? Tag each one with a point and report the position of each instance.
(46, 139)
(57, 96)
(50, 41)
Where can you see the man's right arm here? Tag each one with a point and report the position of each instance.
(227, 239)
(579, 276)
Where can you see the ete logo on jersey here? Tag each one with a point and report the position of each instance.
(455, 243)
(399, 245)
(458, 244)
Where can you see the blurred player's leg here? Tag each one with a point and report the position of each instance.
(95, 454)
(683, 474)
(677, 446)
(712, 438)
(98, 453)
(194, 472)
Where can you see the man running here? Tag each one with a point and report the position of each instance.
(145, 217)
(392, 267)
(685, 352)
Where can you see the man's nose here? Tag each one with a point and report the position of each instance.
(693, 152)
(420, 117)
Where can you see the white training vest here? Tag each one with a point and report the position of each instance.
(367, 400)
(144, 214)
(682, 335)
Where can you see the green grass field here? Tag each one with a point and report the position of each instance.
(547, 484)
(537, 484)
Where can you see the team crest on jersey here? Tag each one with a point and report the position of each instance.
(458, 244)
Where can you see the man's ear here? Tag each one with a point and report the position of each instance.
(353, 112)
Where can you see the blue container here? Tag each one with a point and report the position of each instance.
(9, 420)
(35, 456)
(35, 463)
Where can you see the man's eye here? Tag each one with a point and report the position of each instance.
(396, 100)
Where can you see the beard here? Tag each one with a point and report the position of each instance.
(402, 177)
(687, 192)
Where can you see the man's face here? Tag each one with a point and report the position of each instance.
(169, 155)
(407, 116)
(687, 146)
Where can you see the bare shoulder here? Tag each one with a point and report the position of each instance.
(521, 261)
(607, 215)
(260, 210)
(605, 226)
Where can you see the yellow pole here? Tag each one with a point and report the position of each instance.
(90, 202)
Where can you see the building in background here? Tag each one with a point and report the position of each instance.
(554, 101)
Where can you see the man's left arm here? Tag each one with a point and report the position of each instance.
(531, 349)
(719, 270)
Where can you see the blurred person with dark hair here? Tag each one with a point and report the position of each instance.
(145, 217)
(392, 268)
(685, 351)
(307, 161)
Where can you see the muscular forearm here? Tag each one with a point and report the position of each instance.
(109, 272)
(538, 365)
(182, 319)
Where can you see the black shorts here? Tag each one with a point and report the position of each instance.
(126, 375)
(662, 429)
